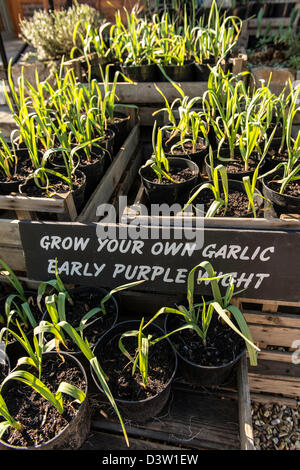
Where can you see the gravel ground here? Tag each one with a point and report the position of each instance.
(276, 427)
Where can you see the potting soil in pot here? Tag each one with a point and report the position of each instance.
(116, 365)
(99, 322)
(179, 175)
(222, 344)
(40, 419)
(238, 204)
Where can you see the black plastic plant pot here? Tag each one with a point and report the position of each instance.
(141, 73)
(86, 294)
(282, 203)
(94, 171)
(120, 126)
(238, 175)
(179, 73)
(196, 157)
(13, 186)
(78, 192)
(202, 71)
(233, 185)
(169, 193)
(142, 410)
(74, 434)
(207, 376)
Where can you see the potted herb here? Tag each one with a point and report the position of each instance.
(140, 365)
(208, 346)
(167, 179)
(46, 412)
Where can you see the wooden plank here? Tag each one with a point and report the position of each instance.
(213, 222)
(9, 233)
(273, 336)
(111, 178)
(277, 399)
(14, 257)
(103, 441)
(289, 387)
(146, 93)
(278, 302)
(35, 204)
(202, 421)
(282, 319)
(245, 418)
(268, 367)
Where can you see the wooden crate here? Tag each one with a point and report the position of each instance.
(198, 419)
(117, 174)
(250, 26)
(145, 95)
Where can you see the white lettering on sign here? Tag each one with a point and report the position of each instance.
(237, 252)
(72, 268)
(67, 243)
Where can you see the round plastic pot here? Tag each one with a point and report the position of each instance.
(83, 293)
(202, 71)
(78, 193)
(233, 185)
(282, 203)
(13, 186)
(169, 193)
(94, 172)
(76, 431)
(232, 176)
(196, 157)
(121, 129)
(205, 376)
(179, 73)
(141, 73)
(143, 410)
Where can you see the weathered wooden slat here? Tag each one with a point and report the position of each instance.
(111, 178)
(103, 441)
(14, 257)
(200, 421)
(288, 386)
(282, 319)
(146, 93)
(245, 418)
(273, 336)
(9, 233)
(35, 204)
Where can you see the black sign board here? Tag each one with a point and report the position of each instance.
(265, 262)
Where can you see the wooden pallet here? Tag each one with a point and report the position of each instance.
(196, 419)
(275, 327)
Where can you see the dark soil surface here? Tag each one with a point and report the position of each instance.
(237, 204)
(236, 166)
(40, 419)
(222, 343)
(292, 189)
(57, 185)
(178, 175)
(117, 366)
(24, 168)
(99, 323)
(186, 150)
